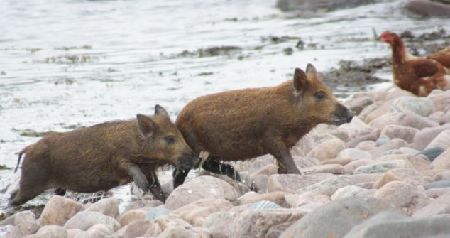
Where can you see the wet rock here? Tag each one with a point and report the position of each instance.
(401, 174)
(50, 231)
(84, 220)
(432, 153)
(403, 132)
(442, 140)
(106, 206)
(390, 224)
(155, 212)
(438, 184)
(199, 188)
(165, 222)
(402, 195)
(196, 212)
(25, 221)
(328, 149)
(438, 117)
(420, 105)
(335, 219)
(403, 119)
(10, 231)
(327, 168)
(132, 215)
(252, 197)
(351, 191)
(382, 166)
(423, 138)
(293, 182)
(257, 223)
(442, 161)
(428, 8)
(59, 210)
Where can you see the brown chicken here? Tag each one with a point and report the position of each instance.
(443, 57)
(419, 75)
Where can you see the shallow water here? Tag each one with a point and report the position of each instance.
(73, 63)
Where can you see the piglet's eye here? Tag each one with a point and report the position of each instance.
(319, 95)
(170, 139)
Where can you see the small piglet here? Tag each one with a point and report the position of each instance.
(243, 124)
(104, 156)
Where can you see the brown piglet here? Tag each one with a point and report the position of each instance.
(242, 124)
(103, 156)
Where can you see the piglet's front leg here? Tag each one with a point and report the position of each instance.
(138, 177)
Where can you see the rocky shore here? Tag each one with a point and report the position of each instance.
(385, 174)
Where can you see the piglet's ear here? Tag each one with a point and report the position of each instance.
(300, 80)
(147, 127)
(311, 72)
(160, 110)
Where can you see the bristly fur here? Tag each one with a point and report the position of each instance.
(99, 157)
(242, 124)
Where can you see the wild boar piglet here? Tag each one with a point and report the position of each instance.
(103, 156)
(242, 124)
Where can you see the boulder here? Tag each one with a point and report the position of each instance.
(200, 188)
(9, 231)
(410, 176)
(441, 141)
(350, 167)
(84, 220)
(328, 149)
(419, 105)
(402, 132)
(402, 195)
(25, 221)
(182, 232)
(306, 200)
(442, 161)
(423, 137)
(335, 219)
(156, 212)
(441, 205)
(382, 166)
(351, 191)
(50, 231)
(138, 228)
(326, 168)
(58, 210)
(257, 223)
(329, 186)
(293, 182)
(252, 197)
(393, 225)
(106, 206)
(196, 212)
(132, 215)
(99, 230)
(354, 154)
(218, 224)
(409, 119)
(428, 8)
(438, 184)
